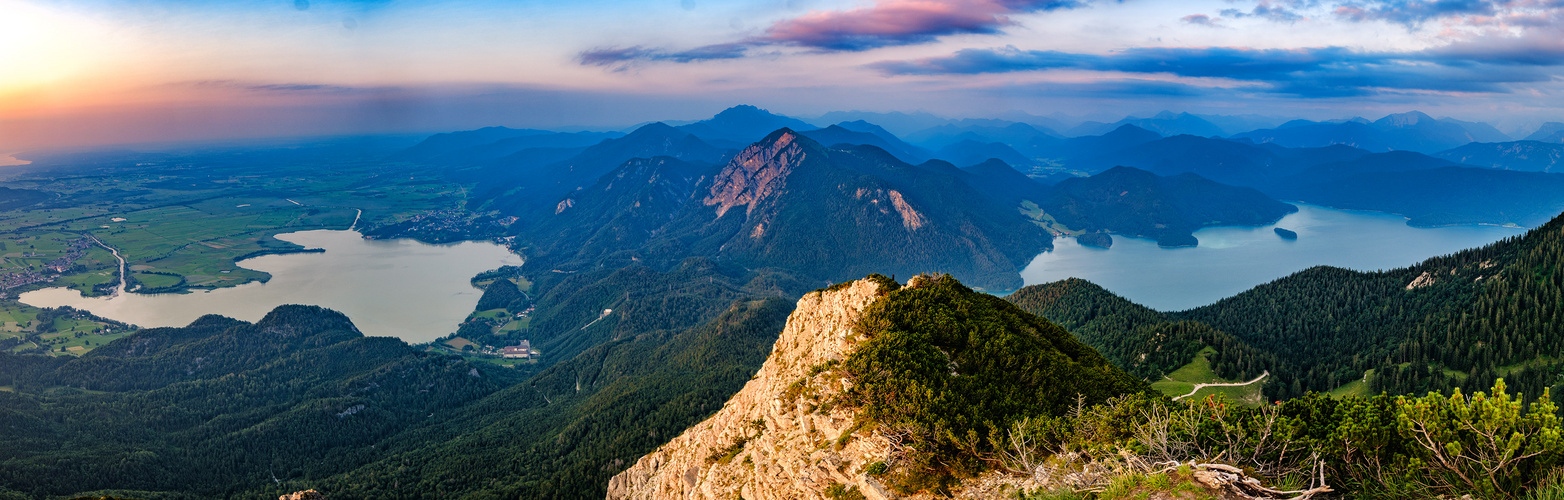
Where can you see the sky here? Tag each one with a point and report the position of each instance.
(98, 72)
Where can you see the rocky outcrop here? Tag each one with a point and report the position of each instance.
(303, 495)
(756, 172)
(778, 438)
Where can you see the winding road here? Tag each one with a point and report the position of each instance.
(1198, 387)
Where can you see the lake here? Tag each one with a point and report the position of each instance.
(394, 288)
(1230, 260)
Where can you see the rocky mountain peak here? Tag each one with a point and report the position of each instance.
(764, 443)
(756, 172)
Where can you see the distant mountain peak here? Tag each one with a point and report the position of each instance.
(1128, 130)
(743, 110)
(1407, 119)
(655, 128)
(1548, 132)
(741, 125)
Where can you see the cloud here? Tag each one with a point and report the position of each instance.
(1502, 14)
(1202, 20)
(901, 22)
(1415, 11)
(620, 57)
(1307, 72)
(1534, 48)
(1281, 11)
(885, 23)
(290, 88)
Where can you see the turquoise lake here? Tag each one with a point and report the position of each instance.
(1230, 260)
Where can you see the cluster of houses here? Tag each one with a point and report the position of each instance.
(522, 350)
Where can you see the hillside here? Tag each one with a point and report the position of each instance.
(789, 202)
(301, 391)
(1443, 196)
(1459, 321)
(1135, 202)
(870, 136)
(826, 379)
(1526, 156)
(520, 186)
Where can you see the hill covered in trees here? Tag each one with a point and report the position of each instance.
(1458, 321)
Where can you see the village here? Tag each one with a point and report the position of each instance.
(520, 351)
(24, 275)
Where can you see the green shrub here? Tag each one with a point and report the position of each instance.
(844, 492)
(948, 371)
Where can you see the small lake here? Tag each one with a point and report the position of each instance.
(393, 288)
(1230, 260)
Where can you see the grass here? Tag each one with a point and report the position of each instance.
(156, 280)
(1043, 219)
(493, 314)
(194, 217)
(77, 336)
(460, 343)
(515, 325)
(1198, 371)
(201, 242)
(510, 362)
(1359, 387)
(1176, 485)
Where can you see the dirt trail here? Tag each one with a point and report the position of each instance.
(1198, 387)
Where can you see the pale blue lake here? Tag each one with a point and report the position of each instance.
(394, 288)
(1230, 260)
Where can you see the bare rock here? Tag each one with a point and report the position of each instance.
(774, 440)
(303, 495)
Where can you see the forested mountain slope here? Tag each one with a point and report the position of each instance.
(1462, 320)
(223, 407)
(788, 202)
(1135, 202)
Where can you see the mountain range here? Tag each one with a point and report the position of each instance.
(665, 268)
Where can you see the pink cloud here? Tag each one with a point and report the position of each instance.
(898, 22)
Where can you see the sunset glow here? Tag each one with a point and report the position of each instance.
(100, 71)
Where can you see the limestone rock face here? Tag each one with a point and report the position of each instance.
(775, 439)
(755, 173)
(303, 495)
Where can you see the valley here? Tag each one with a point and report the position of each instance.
(529, 313)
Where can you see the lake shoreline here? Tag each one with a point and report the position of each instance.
(1232, 259)
(372, 281)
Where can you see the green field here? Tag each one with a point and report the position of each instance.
(1359, 387)
(1041, 218)
(515, 325)
(201, 241)
(492, 314)
(194, 216)
(1198, 371)
(62, 336)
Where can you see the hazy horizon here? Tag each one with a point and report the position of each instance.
(96, 72)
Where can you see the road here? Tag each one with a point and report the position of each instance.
(1198, 387)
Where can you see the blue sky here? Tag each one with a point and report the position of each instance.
(99, 71)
